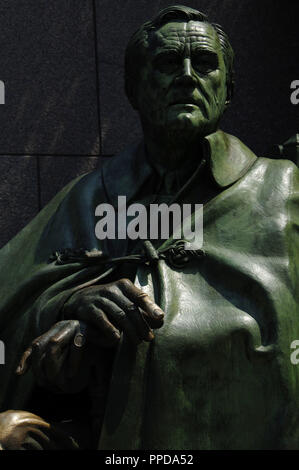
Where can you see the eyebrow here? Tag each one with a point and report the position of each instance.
(204, 49)
(175, 48)
(170, 47)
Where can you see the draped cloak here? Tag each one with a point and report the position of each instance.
(218, 374)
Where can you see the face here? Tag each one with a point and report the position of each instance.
(182, 86)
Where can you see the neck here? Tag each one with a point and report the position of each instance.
(169, 154)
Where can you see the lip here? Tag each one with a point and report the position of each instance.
(184, 102)
(185, 107)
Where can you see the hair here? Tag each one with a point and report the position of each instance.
(139, 43)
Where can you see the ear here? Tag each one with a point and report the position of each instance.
(229, 93)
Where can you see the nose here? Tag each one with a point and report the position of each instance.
(187, 68)
(186, 76)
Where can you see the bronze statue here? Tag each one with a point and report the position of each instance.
(170, 348)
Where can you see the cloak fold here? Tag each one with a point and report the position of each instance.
(218, 374)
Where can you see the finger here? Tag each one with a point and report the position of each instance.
(136, 316)
(63, 362)
(51, 438)
(36, 349)
(25, 362)
(127, 316)
(66, 330)
(118, 317)
(108, 334)
(154, 314)
(78, 350)
(32, 356)
(57, 348)
(37, 439)
(46, 438)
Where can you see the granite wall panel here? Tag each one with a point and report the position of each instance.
(19, 198)
(56, 172)
(48, 69)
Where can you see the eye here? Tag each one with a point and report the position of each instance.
(204, 62)
(167, 63)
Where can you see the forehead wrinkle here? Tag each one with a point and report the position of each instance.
(204, 33)
(202, 39)
(201, 27)
(165, 41)
(159, 50)
(185, 36)
(173, 26)
(198, 31)
(203, 45)
(171, 30)
(171, 41)
(166, 37)
(192, 45)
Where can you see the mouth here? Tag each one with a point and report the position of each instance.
(185, 102)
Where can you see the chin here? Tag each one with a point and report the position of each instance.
(186, 126)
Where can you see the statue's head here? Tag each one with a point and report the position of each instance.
(179, 73)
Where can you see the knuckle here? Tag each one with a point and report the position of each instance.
(80, 297)
(124, 282)
(110, 289)
(60, 324)
(12, 419)
(131, 307)
(53, 341)
(12, 415)
(74, 324)
(120, 314)
(93, 311)
(142, 295)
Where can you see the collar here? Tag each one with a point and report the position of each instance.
(228, 158)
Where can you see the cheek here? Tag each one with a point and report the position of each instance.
(215, 93)
(218, 85)
(214, 81)
(152, 91)
(158, 84)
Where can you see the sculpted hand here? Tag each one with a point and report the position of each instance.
(61, 357)
(115, 307)
(21, 430)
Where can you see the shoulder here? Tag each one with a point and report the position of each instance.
(278, 170)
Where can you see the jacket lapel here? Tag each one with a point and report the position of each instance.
(228, 158)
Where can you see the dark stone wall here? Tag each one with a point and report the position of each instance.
(62, 66)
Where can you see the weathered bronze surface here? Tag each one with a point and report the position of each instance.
(289, 149)
(177, 350)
